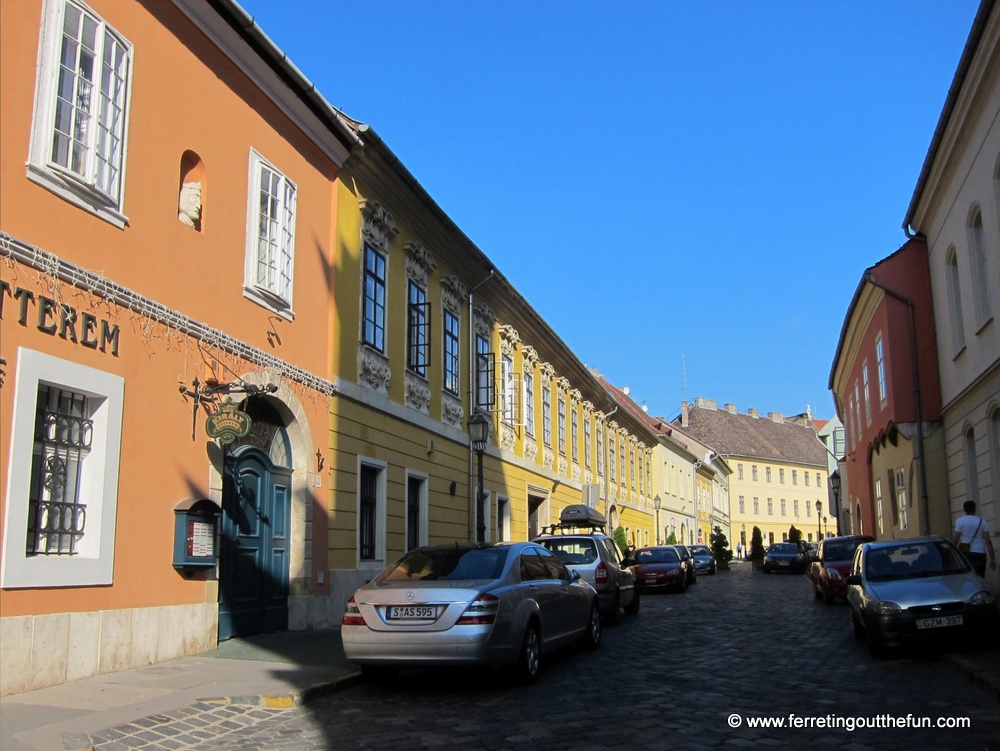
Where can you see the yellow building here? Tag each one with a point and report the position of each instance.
(779, 470)
(427, 333)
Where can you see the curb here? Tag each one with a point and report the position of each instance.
(976, 675)
(236, 705)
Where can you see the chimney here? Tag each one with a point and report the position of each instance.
(684, 414)
(731, 409)
(753, 412)
(706, 403)
(776, 416)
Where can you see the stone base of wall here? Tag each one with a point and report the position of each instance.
(48, 650)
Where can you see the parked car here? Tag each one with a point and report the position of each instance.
(659, 568)
(919, 590)
(579, 541)
(685, 553)
(828, 572)
(466, 604)
(704, 560)
(784, 556)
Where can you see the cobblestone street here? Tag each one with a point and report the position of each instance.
(691, 671)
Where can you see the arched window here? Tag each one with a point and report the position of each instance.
(971, 467)
(955, 301)
(980, 272)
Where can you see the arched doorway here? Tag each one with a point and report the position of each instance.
(255, 529)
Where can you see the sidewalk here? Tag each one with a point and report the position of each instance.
(230, 684)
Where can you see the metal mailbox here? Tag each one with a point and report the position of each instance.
(196, 534)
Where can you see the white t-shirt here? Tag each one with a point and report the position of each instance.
(966, 526)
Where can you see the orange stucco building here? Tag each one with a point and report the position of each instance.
(167, 222)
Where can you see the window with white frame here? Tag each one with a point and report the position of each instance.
(756, 506)
(739, 471)
(61, 513)
(509, 411)
(993, 425)
(743, 505)
(784, 508)
(781, 476)
(485, 374)
(270, 252)
(373, 289)
(805, 476)
(561, 425)
(586, 441)
(371, 513)
(878, 504)
(767, 474)
(612, 459)
(418, 339)
(955, 301)
(80, 122)
(546, 415)
(452, 352)
(574, 428)
(868, 395)
(795, 477)
(900, 488)
(600, 449)
(980, 270)
(795, 509)
(770, 507)
(880, 365)
(753, 472)
(529, 403)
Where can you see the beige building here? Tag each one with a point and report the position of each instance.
(956, 207)
(779, 470)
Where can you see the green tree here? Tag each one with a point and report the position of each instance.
(756, 545)
(794, 535)
(672, 540)
(620, 537)
(720, 545)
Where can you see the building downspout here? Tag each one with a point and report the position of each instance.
(473, 487)
(925, 518)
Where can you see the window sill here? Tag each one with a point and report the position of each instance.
(77, 194)
(269, 301)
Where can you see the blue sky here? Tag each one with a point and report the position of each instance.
(687, 191)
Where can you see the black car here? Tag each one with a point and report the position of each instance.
(685, 553)
(785, 556)
(659, 568)
(704, 561)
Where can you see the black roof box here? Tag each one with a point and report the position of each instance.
(581, 514)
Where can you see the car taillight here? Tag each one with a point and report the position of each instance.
(483, 610)
(352, 616)
(601, 574)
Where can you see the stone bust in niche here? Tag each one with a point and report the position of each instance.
(189, 206)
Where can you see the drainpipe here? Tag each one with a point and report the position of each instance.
(925, 521)
(472, 406)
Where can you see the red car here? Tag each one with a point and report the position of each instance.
(659, 568)
(833, 562)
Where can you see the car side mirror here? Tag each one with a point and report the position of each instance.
(854, 579)
(575, 575)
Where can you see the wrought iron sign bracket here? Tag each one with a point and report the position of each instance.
(209, 394)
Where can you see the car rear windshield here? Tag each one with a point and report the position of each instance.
(840, 551)
(573, 551)
(784, 547)
(447, 564)
(700, 550)
(657, 555)
(914, 561)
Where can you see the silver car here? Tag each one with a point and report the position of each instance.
(916, 590)
(506, 604)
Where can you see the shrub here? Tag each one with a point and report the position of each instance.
(756, 545)
(720, 545)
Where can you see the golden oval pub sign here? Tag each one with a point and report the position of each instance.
(228, 423)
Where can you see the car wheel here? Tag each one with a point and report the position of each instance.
(529, 662)
(859, 629)
(379, 674)
(633, 607)
(591, 639)
(711, 571)
(614, 615)
(767, 570)
(876, 648)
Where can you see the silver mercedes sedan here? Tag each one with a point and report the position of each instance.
(505, 604)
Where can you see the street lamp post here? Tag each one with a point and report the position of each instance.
(819, 520)
(826, 529)
(743, 536)
(657, 504)
(479, 434)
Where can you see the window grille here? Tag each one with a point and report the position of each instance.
(57, 515)
(367, 513)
